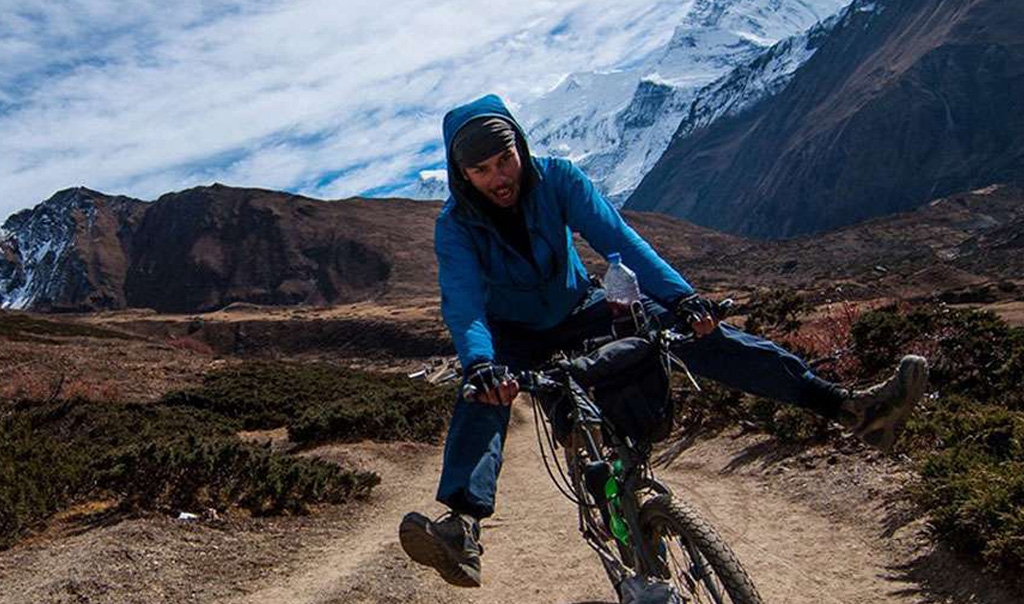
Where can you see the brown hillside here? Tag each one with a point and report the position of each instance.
(209, 247)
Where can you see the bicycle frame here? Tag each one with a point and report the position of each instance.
(633, 478)
(630, 485)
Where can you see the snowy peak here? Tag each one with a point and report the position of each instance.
(34, 246)
(760, 20)
(616, 125)
(41, 248)
(431, 184)
(764, 76)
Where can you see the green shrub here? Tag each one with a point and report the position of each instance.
(151, 456)
(221, 473)
(319, 402)
(790, 424)
(972, 477)
(716, 407)
(713, 408)
(39, 475)
(968, 438)
(183, 452)
(20, 326)
(973, 353)
(262, 395)
(385, 407)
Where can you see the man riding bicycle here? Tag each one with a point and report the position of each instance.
(514, 290)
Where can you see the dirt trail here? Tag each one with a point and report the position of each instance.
(811, 526)
(801, 542)
(532, 553)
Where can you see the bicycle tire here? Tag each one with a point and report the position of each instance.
(663, 515)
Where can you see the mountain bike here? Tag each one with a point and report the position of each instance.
(646, 537)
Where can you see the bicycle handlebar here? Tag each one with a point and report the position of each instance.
(529, 381)
(533, 381)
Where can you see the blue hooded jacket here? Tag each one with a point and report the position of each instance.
(484, 278)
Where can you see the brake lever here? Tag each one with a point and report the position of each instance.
(724, 308)
(679, 363)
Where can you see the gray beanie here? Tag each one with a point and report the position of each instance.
(480, 139)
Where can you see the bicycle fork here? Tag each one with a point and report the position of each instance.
(613, 486)
(647, 560)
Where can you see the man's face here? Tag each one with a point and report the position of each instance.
(498, 177)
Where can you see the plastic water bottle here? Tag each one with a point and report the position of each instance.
(623, 293)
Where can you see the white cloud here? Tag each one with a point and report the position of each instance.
(323, 97)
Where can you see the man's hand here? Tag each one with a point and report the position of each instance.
(494, 385)
(698, 312)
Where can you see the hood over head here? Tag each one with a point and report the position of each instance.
(466, 197)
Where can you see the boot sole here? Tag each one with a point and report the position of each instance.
(425, 548)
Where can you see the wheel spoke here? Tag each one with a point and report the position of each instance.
(678, 573)
(693, 556)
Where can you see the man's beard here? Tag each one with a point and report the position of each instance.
(505, 196)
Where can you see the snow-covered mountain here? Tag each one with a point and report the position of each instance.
(67, 252)
(764, 76)
(431, 184)
(34, 247)
(725, 55)
(901, 103)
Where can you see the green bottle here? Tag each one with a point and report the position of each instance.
(611, 492)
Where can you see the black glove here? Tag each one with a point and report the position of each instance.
(692, 308)
(485, 376)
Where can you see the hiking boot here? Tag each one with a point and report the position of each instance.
(877, 415)
(450, 545)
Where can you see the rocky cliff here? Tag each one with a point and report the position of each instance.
(207, 247)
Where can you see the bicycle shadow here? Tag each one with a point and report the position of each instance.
(936, 574)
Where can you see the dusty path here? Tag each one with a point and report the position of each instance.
(532, 552)
(801, 542)
(811, 527)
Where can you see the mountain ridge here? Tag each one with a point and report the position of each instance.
(203, 248)
(904, 102)
(208, 247)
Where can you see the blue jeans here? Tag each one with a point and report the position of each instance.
(476, 434)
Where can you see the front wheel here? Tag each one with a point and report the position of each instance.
(692, 555)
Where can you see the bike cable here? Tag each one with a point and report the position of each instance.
(564, 486)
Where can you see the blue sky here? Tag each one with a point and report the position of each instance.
(325, 98)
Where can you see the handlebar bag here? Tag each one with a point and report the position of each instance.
(629, 381)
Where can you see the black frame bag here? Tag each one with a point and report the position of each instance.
(629, 381)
